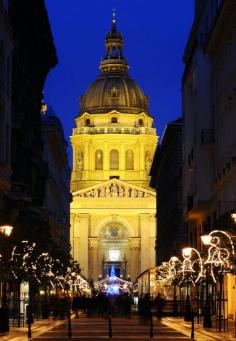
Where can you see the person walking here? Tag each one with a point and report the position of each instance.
(160, 302)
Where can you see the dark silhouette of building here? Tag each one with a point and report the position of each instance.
(32, 58)
(166, 178)
(5, 103)
(57, 196)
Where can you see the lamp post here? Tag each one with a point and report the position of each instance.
(175, 266)
(207, 323)
(6, 230)
(219, 260)
(190, 274)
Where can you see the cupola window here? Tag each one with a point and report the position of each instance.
(99, 160)
(114, 120)
(140, 122)
(114, 159)
(87, 122)
(129, 160)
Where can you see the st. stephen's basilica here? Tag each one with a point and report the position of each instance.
(113, 222)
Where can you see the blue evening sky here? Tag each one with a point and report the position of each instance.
(155, 33)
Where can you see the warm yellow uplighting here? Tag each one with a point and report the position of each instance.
(206, 239)
(233, 216)
(187, 252)
(6, 229)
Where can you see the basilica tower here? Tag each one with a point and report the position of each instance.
(113, 208)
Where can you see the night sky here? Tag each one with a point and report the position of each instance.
(155, 33)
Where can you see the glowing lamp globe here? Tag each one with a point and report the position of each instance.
(6, 229)
(206, 239)
(187, 252)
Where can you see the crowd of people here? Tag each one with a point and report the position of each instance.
(102, 304)
(120, 305)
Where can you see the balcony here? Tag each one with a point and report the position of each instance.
(114, 130)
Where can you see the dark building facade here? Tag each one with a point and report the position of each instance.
(5, 102)
(57, 196)
(166, 178)
(33, 56)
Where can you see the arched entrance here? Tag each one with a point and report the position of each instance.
(114, 248)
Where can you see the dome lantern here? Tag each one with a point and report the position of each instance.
(114, 89)
(114, 60)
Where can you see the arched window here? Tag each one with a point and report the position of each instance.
(129, 160)
(114, 120)
(87, 122)
(140, 122)
(114, 159)
(98, 160)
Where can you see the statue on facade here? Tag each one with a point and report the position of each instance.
(148, 160)
(102, 192)
(126, 192)
(107, 192)
(114, 191)
(121, 191)
(80, 162)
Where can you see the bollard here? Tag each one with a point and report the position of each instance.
(69, 322)
(151, 325)
(192, 329)
(110, 326)
(29, 329)
(29, 320)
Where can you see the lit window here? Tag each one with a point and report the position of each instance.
(114, 255)
(129, 160)
(114, 159)
(98, 160)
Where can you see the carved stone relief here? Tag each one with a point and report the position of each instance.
(114, 190)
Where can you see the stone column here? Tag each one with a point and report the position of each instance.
(147, 234)
(134, 266)
(80, 241)
(122, 157)
(106, 158)
(86, 156)
(93, 259)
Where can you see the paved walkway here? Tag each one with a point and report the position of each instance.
(133, 329)
(200, 334)
(96, 328)
(38, 328)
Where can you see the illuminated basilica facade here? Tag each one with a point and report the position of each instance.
(113, 209)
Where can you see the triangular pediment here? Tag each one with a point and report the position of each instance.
(114, 188)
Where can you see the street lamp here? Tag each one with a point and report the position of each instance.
(6, 230)
(174, 266)
(188, 272)
(207, 323)
(220, 252)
